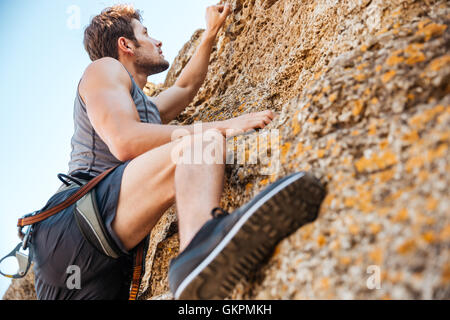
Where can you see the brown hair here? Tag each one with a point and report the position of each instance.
(100, 36)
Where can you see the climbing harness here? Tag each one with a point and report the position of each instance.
(89, 223)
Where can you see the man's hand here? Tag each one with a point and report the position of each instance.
(216, 16)
(247, 122)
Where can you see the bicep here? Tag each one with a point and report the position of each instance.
(111, 110)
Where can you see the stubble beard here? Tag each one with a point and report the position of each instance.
(150, 65)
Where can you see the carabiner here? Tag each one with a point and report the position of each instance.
(23, 260)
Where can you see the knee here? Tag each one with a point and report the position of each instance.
(207, 147)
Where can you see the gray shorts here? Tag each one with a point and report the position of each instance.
(61, 251)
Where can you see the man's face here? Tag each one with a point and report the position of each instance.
(148, 56)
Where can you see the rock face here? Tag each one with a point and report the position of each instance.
(21, 289)
(363, 95)
(362, 91)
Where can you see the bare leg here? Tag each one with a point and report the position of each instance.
(198, 191)
(148, 190)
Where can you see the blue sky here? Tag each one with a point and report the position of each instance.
(41, 62)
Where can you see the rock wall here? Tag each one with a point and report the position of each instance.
(362, 92)
(21, 289)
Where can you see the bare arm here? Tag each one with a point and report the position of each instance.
(175, 99)
(105, 89)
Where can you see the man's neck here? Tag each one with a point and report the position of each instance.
(139, 78)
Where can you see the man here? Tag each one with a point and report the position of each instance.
(116, 124)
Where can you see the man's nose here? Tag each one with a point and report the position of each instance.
(157, 43)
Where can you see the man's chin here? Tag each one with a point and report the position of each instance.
(166, 65)
(155, 68)
(161, 67)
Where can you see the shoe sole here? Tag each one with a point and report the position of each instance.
(291, 204)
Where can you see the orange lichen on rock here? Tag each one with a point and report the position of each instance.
(383, 144)
(324, 283)
(415, 162)
(320, 153)
(359, 77)
(439, 63)
(377, 256)
(375, 228)
(384, 30)
(372, 129)
(362, 66)
(284, 151)
(332, 97)
(395, 59)
(413, 53)
(401, 216)
(411, 136)
(423, 23)
(376, 162)
(345, 261)
(407, 246)
(296, 128)
(353, 229)
(431, 30)
(358, 107)
(388, 76)
(321, 240)
(383, 176)
(428, 237)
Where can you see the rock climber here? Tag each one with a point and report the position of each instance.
(115, 123)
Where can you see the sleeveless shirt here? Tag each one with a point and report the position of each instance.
(90, 155)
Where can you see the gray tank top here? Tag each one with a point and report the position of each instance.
(90, 155)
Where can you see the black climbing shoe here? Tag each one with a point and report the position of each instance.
(230, 246)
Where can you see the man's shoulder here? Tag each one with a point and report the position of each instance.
(106, 62)
(105, 70)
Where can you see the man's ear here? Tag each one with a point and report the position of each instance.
(125, 46)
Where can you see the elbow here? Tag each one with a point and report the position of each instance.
(124, 156)
(122, 151)
(190, 88)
